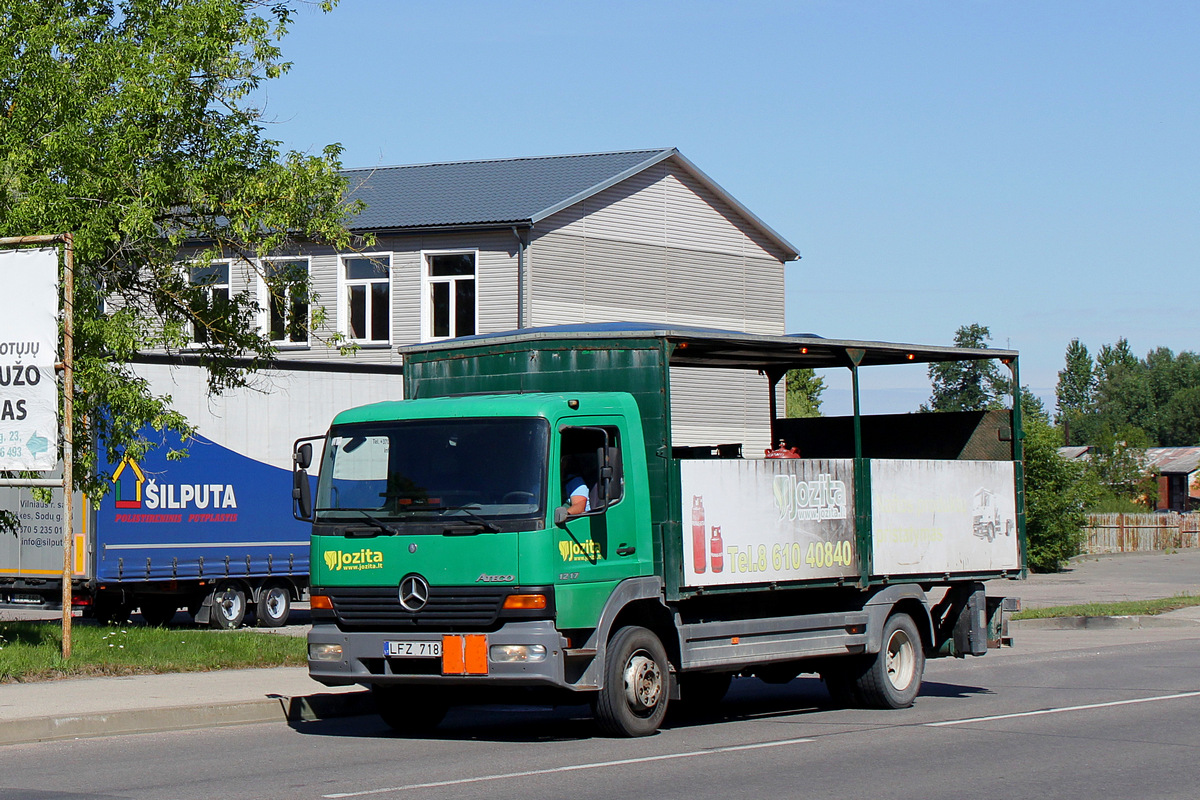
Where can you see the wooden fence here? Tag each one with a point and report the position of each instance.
(1124, 533)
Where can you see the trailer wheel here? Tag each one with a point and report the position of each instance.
(411, 710)
(158, 611)
(274, 606)
(894, 676)
(634, 699)
(228, 607)
(110, 612)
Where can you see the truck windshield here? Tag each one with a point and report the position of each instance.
(492, 469)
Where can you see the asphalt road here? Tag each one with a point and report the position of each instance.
(1066, 714)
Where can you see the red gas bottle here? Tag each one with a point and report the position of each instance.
(783, 451)
(717, 547)
(699, 540)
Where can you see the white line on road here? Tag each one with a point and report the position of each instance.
(1063, 709)
(569, 768)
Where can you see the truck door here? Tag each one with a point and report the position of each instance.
(599, 545)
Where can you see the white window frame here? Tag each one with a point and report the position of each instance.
(427, 282)
(228, 285)
(264, 303)
(344, 283)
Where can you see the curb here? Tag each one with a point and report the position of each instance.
(272, 708)
(1132, 622)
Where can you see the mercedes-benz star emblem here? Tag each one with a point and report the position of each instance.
(414, 592)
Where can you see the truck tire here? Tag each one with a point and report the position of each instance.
(228, 607)
(893, 677)
(107, 611)
(411, 710)
(157, 612)
(634, 699)
(274, 606)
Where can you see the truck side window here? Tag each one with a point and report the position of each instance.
(584, 450)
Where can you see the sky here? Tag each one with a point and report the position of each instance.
(1033, 167)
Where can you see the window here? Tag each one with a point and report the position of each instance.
(368, 298)
(214, 278)
(286, 303)
(449, 307)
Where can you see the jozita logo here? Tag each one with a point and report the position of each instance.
(355, 560)
(797, 499)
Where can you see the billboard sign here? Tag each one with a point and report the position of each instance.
(933, 517)
(767, 520)
(28, 350)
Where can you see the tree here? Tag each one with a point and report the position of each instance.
(1117, 461)
(130, 124)
(803, 388)
(967, 385)
(1057, 492)
(1076, 383)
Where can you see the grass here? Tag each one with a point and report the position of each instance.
(32, 651)
(1121, 608)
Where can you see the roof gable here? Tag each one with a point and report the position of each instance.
(512, 191)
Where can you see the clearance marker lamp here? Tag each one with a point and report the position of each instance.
(324, 652)
(518, 653)
(321, 601)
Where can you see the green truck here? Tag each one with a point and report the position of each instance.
(523, 526)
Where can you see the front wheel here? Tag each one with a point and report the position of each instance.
(893, 679)
(633, 701)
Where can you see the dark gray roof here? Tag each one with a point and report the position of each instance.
(511, 191)
(720, 348)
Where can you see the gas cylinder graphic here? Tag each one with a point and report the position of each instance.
(717, 546)
(699, 540)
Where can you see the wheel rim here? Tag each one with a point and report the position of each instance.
(901, 660)
(643, 682)
(230, 605)
(274, 603)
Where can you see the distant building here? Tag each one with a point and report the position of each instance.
(1179, 473)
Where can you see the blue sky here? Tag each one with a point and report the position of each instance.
(1029, 166)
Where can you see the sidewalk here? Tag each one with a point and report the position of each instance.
(31, 712)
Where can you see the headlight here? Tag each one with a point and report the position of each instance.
(324, 652)
(512, 653)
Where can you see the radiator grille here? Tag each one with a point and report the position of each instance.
(449, 608)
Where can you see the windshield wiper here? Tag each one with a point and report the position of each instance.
(383, 526)
(487, 525)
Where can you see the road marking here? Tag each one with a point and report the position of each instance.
(1063, 709)
(568, 768)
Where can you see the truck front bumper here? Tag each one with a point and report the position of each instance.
(362, 658)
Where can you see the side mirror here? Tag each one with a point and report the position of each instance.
(561, 515)
(301, 495)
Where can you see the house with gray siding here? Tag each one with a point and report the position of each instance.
(485, 246)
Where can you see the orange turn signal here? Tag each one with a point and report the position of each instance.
(320, 601)
(525, 601)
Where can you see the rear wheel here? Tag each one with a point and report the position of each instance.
(108, 611)
(158, 611)
(633, 701)
(410, 709)
(228, 607)
(894, 677)
(274, 606)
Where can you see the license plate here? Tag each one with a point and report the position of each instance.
(407, 649)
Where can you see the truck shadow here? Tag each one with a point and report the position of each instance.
(748, 699)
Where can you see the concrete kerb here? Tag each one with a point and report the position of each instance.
(272, 708)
